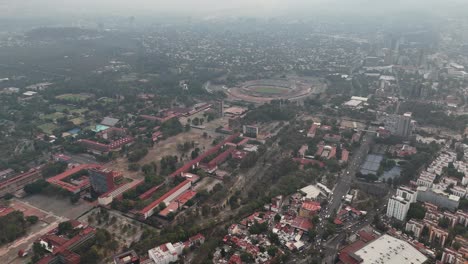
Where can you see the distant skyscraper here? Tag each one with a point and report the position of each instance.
(404, 128)
(388, 56)
(219, 108)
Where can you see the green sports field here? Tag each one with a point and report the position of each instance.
(47, 128)
(73, 97)
(270, 90)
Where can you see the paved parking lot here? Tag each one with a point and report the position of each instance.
(47, 221)
(59, 206)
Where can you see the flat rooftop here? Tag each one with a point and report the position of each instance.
(389, 250)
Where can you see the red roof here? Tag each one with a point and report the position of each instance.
(332, 153)
(366, 236)
(197, 238)
(235, 259)
(345, 254)
(337, 221)
(301, 223)
(313, 129)
(320, 150)
(55, 240)
(186, 168)
(75, 239)
(155, 203)
(106, 147)
(195, 161)
(62, 245)
(156, 135)
(27, 174)
(244, 141)
(344, 155)
(58, 179)
(221, 157)
(120, 142)
(311, 206)
(94, 145)
(179, 201)
(5, 211)
(161, 119)
(150, 192)
(186, 196)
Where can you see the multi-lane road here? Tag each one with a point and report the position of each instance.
(345, 179)
(342, 187)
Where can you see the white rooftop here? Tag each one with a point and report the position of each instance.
(359, 98)
(311, 191)
(387, 78)
(29, 93)
(353, 103)
(389, 250)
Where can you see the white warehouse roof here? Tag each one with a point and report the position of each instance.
(359, 98)
(311, 191)
(389, 250)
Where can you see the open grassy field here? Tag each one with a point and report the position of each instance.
(78, 110)
(61, 108)
(270, 90)
(73, 97)
(106, 100)
(77, 121)
(47, 128)
(53, 116)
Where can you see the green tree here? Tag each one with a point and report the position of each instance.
(64, 228)
(134, 167)
(272, 251)
(36, 187)
(247, 257)
(90, 256)
(277, 218)
(416, 211)
(32, 219)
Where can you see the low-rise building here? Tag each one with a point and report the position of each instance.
(62, 249)
(415, 227)
(170, 252)
(312, 130)
(15, 183)
(438, 197)
(128, 257)
(309, 209)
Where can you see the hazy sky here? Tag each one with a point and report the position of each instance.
(194, 7)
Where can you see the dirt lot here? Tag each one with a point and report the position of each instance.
(47, 221)
(207, 183)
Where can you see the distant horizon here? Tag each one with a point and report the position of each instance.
(205, 8)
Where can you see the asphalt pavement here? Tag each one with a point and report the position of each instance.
(342, 187)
